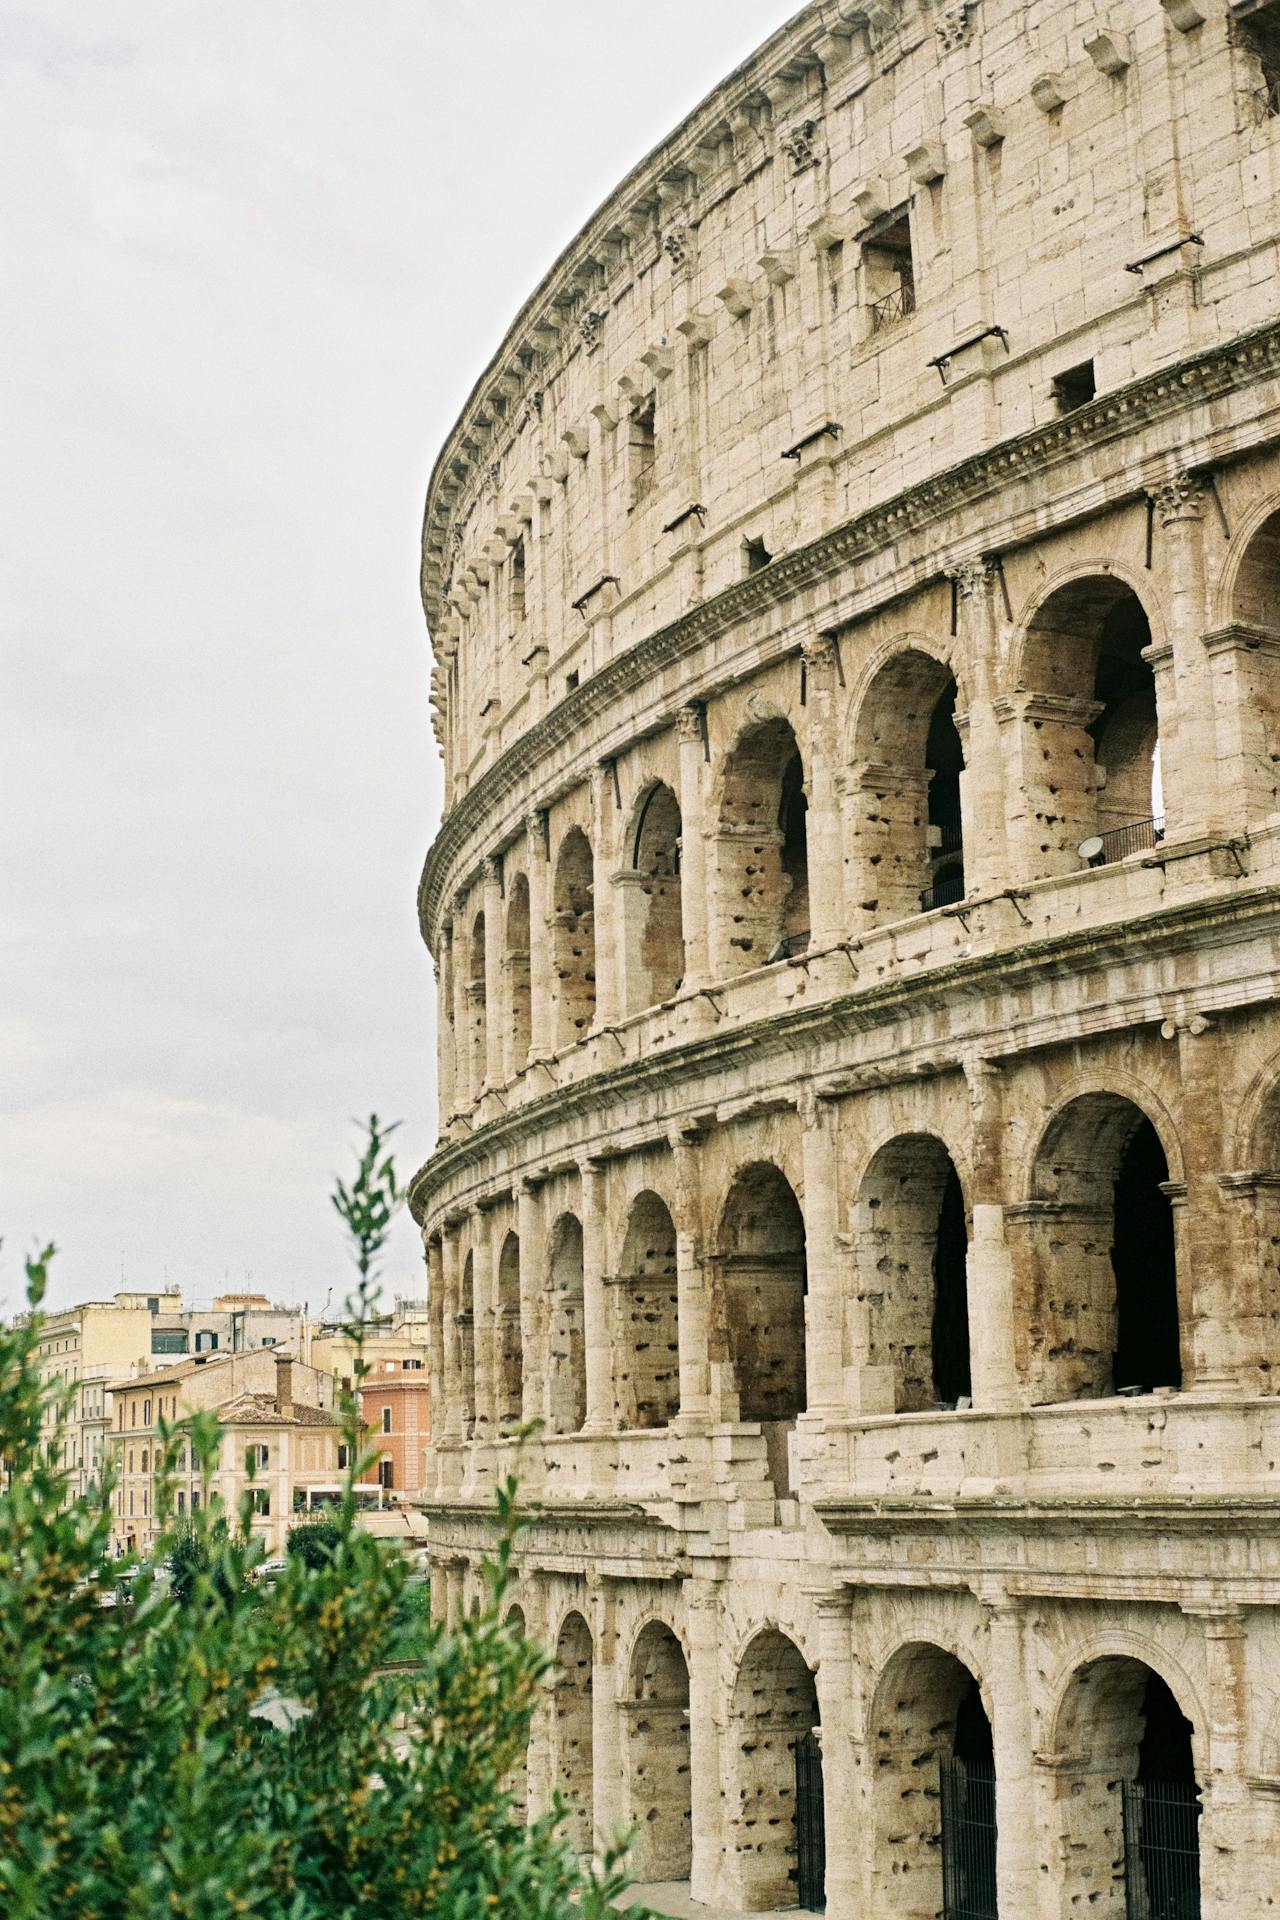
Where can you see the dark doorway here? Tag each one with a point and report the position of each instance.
(811, 1831)
(968, 1793)
(1148, 1350)
(1162, 1815)
(952, 1375)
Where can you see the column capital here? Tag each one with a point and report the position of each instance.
(1180, 497)
(536, 838)
(492, 869)
(973, 576)
(815, 1110)
(690, 721)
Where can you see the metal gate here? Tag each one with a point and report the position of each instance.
(968, 1805)
(811, 1830)
(1161, 1850)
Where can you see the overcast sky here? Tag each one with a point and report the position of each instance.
(255, 253)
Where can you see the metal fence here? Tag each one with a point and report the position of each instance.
(1139, 836)
(811, 1830)
(943, 893)
(1161, 1850)
(1266, 101)
(968, 1797)
(892, 307)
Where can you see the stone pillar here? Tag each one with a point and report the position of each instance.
(1230, 1882)
(690, 725)
(982, 798)
(455, 1592)
(436, 1351)
(824, 1307)
(1051, 799)
(826, 866)
(529, 1231)
(595, 1320)
(1011, 1734)
(439, 1593)
(451, 1431)
(1208, 1287)
(629, 912)
(989, 1278)
(839, 1775)
(465, 1089)
(484, 1286)
(533, 1599)
(605, 901)
(1242, 660)
(542, 1009)
(446, 1092)
(1184, 692)
(497, 1016)
(606, 1720)
(691, 1290)
(706, 1723)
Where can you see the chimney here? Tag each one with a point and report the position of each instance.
(284, 1383)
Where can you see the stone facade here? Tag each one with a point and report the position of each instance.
(855, 595)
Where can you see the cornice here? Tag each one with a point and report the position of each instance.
(787, 1031)
(1153, 397)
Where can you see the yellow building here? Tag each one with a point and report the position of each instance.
(84, 1347)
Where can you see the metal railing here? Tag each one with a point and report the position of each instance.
(1161, 1850)
(1138, 836)
(892, 307)
(968, 1808)
(943, 893)
(1266, 101)
(811, 1829)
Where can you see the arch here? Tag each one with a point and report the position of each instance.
(653, 936)
(467, 1343)
(773, 1707)
(1245, 656)
(761, 1279)
(510, 1381)
(934, 1767)
(1250, 586)
(912, 1261)
(516, 965)
(1104, 1261)
(762, 859)
(907, 845)
(647, 1330)
(477, 1009)
(567, 1370)
(1127, 1813)
(571, 1704)
(574, 938)
(658, 1757)
(1089, 737)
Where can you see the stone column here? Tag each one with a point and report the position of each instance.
(465, 1089)
(453, 1388)
(436, 1352)
(446, 1091)
(1011, 1734)
(1232, 1882)
(483, 1283)
(542, 1010)
(706, 1722)
(989, 1277)
(439, 1594)
(839, 1777)
(691, 1291)
(606, 1719)
(455, 1588)
(595, 1320)
(605, 902)
(1209, 1305)
(690, 724)
(1051, 800)
(826, 866)
(824, 1307)
(982, 799)
(529, 1231)
(1243, 658)
(497, 1016)
(1184, 691)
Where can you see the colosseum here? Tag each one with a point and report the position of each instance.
(854, 588)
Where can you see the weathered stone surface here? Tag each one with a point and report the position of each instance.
(860, 1081)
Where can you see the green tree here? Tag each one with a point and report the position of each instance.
(316, 1541)
(223, 1745)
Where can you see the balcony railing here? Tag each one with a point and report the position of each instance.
(1139, 836)
(943, 893)
(1161, 1850)
(893, 307)
(1266, 101)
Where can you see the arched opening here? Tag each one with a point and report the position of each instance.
(571, 1715)
(661, 1809)
(519, 995)
(1246, 668)
(934, 1790)
(1090, 741)
(467, 1344)
(908, 853)
(762, 872)
(913, 1249)
(476, 1007)
(518, 1778)
(1103, 1254)
(761, 1278)
(656, 940)
(773, 1717)
(574, 938)
(1128, 1800)
(646, 1335)
(567, 1371)
(510, 1352)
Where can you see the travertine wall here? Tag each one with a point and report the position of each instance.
(855, 593)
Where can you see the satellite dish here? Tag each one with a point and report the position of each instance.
(1091, 849)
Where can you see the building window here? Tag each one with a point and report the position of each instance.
(412, 1366)
(153, 1303)
(195, 1499)
(757, 555)
(131, 1457)
(146, 1413)
(386, 1419)
(257, 1456)
(182, 1501)
(145, 1455)
(259, 1501)
(206, 1341)
(642, 450)
(168, 1340)
(131, 1503)
(1074, 387)
(517, 580)
(386, 1473)
(889, 271)
(1256, 29)
(268, 1339)
(834, 262)
(344, 1458)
